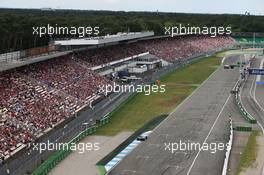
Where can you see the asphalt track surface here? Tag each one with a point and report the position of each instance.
(202, 117)
(252, 95)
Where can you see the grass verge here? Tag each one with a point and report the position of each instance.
(249, 155)
(101, 169)
(147, 127)
(142, 108)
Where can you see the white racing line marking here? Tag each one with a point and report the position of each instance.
(260, 67)
(253, 96)
(211, 129)
(208, 134)
(256, 101)
(255, 87)
(223, 60)
(184, 101)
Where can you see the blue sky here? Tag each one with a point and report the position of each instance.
(190, 6)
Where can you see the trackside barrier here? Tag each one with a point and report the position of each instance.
(241, 109)
(243, 128)
(58, 156)
(241, 63)
(229, 147)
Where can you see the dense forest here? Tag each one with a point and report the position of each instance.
(16, 24)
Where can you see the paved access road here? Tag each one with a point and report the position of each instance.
(202, 117)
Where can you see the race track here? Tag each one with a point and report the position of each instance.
(202, 117)
(252, 96)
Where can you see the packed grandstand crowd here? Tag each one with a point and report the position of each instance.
(169, 49)
(36, 97)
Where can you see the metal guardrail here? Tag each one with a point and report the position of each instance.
(241, 109)
(58, 156)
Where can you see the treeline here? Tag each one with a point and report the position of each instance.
(16, 24)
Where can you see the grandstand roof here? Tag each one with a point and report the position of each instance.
(104, 39)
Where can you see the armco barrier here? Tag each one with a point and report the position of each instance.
(225, 167)
(243, 128)
(58, 156)
(150, 125)
(246, 115)
(241, 109)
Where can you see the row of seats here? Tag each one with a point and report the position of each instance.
(170, 49)
(36, 97)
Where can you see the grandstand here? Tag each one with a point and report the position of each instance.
(36, 97)
(100, 40)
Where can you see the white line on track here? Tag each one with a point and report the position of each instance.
(186, 99)
(211, 129)
(223, 60)
(256, 101)
(253, 96)
(208, 134)
(260, 67)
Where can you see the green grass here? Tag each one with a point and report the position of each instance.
(221, 54)
(101, 169)
(249, 155)
(147, 127)
(141, 108)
